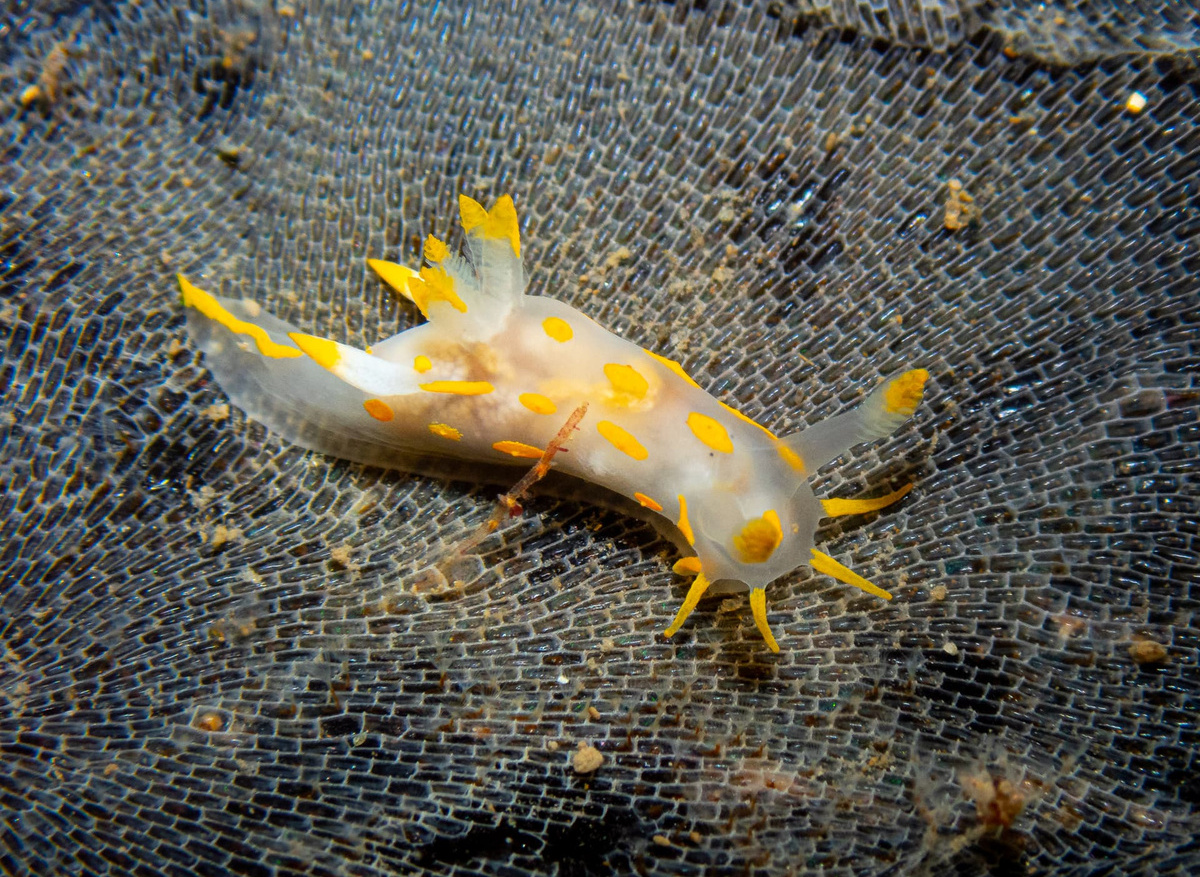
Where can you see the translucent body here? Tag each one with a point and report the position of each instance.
(494, 373)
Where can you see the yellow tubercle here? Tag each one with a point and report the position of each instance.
(710, 432)
(758, 608)
(498, 224)
(194, 297)
(321, 350)
(445, 431)
(904, 393)
(459, 388)
(622, 440)
(759, 538)
(422, 364)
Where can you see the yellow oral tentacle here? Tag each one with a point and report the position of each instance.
(835, 508)
(758, 606)
(695, 592)
(826, 564)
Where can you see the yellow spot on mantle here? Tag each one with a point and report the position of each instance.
(519, 449)
(422, 364)
(626, 381)
(379, 409)
(445, 431)
(684, 525)
(622, 440)
(194, 297)
(558, 329)
(903, 394)
(537, 403)
(710, 432)
(759, 538)
(647, 502)
(459, 388)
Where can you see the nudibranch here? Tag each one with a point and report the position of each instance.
(493, 372)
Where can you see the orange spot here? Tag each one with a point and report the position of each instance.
(622, 440)
(790, 457)
(379, 409)
(648, 502)
(625, 380)
(519, 449)
(459, 388)
(537, 403)
(445, 431)
(687, 566)
(559, 330)
(683, 524)
(710, 432)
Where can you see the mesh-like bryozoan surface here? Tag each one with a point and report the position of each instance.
(223, 654)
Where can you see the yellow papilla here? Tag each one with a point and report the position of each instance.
(434, 285)
(435, 250)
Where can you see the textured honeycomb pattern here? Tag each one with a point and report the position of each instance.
(224, 655)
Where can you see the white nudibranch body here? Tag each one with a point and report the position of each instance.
(494, 372)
